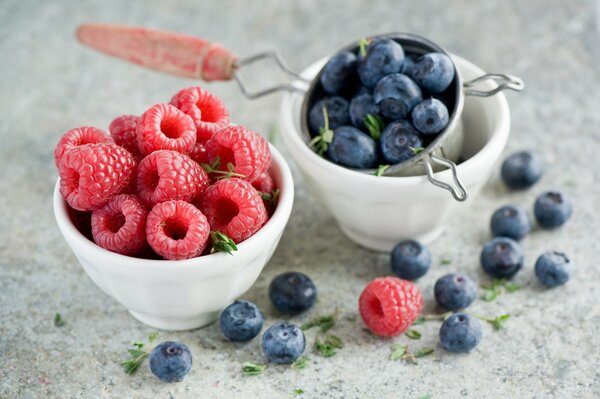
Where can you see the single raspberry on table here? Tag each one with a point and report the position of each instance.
(177, 230)
(120, 225)
(91, 174)
(164, 127)
(206, 109)
(168, 175)
(123, 131)
(79, 136)
(233, 207)
(389, 305)
(199, 154)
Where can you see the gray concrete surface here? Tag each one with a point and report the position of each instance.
(50, 83)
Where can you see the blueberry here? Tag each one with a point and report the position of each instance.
(283, 343)
(407, 65)
(460, 333)
(384, 57)
(552, 209)
(522, 169)
(352, 148)
(396, 95)
(339, 73)
(433, 72)
(362, 89)
(337, 112)
(455, 291)
(502, 257)
(410, 260)
(241, 321)
(510, 221)
(170, 361)
(292, 292)
(396, 141)
(553, 268)
(361, 106)
(430, 116)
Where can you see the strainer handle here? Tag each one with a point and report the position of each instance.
(505, 82)
(458, 191)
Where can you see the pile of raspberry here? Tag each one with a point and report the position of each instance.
(176, 182)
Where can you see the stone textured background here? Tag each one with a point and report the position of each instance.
(50, 83)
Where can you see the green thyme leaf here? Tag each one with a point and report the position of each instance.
(334, 341)
(58, 320)
(252, 369)
(215, 168)
(381, 170)
(298, 391)
(362, 46)
(419, 320)
(300, 364)
(222, 243)
(423, 352)
(324, 348)
(416, 150)
(325, 323)
(498, 287)
(321, 142)
(375, 125)
(496, 322)
(152, 337)
(271, 198)
(431, 317)
(398, 351)
(413, 334)
(446, 261)
(512, 287)
(489, 295)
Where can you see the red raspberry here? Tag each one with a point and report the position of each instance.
(389, 305)
(199, 154)
(233, 207)
(79, 136)
(91, 174)
(246, 150)
(120, 225)
(264, 183)
(168, 175)
(177, 230)
(206, 109)
(164, 127)
(123, 131)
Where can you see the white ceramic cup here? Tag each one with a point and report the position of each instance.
(181, 294)
(378, 212)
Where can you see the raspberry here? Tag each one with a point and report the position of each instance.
(79, 136)
(123, 131)
(177, 230)
(199, 154)
(389, 305)
(246, 150)
(264, 183)
(168, 175)
(164, 127)
(120, 225)
(207, 111)
(233, 207)
(91, 174)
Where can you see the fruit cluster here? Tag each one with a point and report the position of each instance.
(380, 105)
(178, 179)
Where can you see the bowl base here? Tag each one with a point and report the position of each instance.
(176, 323)
(385, 244)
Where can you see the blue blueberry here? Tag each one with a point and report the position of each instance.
(241, 321)
(433, 72)
(362, 89)
(460, 333)
(292, 292)
(410, 260)
(552, 209)
(406, 68)
(339, 73)
(502, 257)
(510, 221)
(170, 361)
(361, 106)
(397, 141)
(522, 169)
(384, 57)
(337, 111)
(396, 95)
(283, 343)
(553, 268)
(430, 116)
(455, 291)
(352, 148)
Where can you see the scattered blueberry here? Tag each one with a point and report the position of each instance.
(384, 57)
(455, 291)
(241, 321)
(361, 106)
(460, 333)
(352, 148)
(553, 268)
(170, 361)
(337, 112)
(339, 73)
(283, 343)
(510, 221)
(433, 72)
(522, 169)
(501, 257)
(396, 95)
(430, 116)
(552, 209)
(397, 141)
(292, 292)
(410, 260)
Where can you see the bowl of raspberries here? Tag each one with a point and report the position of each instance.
(174, 212)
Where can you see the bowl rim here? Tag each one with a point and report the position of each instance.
(276, 222)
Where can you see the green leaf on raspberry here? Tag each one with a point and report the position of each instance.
(138, 354)
(300, 364)
(362, 46)
(222, 243)
(381, 170)
(325, 323)
(58, 320)
(252, 369)
(321, 142)
(417, 150)
(270, 198)
(413, 334)
(375, 125)
(215, 168)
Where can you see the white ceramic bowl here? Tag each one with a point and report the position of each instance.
(377, 212)
(183, 294)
